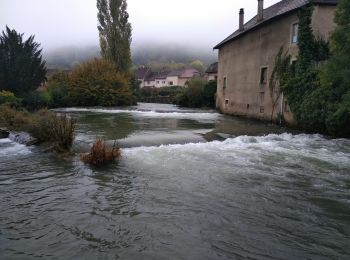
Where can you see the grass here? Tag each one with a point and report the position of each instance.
(101, 154)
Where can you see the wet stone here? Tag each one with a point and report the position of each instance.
(4, 133)
(22, 138)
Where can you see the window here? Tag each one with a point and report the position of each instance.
(171, 83)
(225, 83)
(157, 81)
(262, 97)
(226, 102)
(262, 109)
(263, 76)
(295, 29)
(163, 82)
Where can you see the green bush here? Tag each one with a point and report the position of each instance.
(98, 83)
(7, 97)
(35, 100)
(199, 93)
(58, 89)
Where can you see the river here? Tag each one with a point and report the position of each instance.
(191, 184)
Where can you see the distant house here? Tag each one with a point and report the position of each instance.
(141, 74)
(147, 78)
(150, 80)
(212, 72)
(247, 57)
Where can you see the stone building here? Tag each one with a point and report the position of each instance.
(246, 58)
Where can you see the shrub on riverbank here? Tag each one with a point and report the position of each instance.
(93, 83)
(159, 95)
(8, 98)
(100, 154)
(44, 125)
(14, 119)
(199, 93)
(56, 129)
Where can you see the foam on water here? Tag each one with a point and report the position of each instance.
(246, 151)
(198, 116)
(10, 148)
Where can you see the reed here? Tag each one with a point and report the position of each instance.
(101, 154)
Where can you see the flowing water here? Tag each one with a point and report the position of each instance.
(191, 184)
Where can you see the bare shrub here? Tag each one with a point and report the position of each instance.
(101, 154)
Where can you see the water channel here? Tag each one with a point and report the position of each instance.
(191, 184)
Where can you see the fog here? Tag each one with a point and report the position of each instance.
(195, 24)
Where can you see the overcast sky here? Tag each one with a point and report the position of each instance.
(59, 23)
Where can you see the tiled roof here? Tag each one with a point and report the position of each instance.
(274, 11)
(213, 68)
(189, 73)
(141, 73)
(175, 73)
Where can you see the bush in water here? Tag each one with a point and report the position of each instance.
(101, 154)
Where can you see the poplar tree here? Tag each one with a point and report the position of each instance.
(115, 33)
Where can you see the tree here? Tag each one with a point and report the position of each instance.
(115, 33)
(98, 83)
(21, 65)
(335, 76)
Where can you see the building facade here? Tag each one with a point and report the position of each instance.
(246, 58)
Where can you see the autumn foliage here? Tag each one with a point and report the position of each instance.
(93, 83)
(101, 154)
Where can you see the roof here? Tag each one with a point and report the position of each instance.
(213, 68)
(281, 8)
(161, 75)
(175, 73)
(141, 73)
(189, 73)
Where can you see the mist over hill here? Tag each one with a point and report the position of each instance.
(142, 54)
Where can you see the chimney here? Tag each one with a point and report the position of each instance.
(241, 20)
(260, 10)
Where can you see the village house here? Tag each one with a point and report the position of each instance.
(246, 58)
(147, 78)
(212, 72)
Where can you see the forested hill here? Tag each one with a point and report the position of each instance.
(67, 57)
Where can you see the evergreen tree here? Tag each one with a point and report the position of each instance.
(21, 66)
(115, 33)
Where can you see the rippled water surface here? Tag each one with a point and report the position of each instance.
(191, 184)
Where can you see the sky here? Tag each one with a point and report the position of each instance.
(62, 23)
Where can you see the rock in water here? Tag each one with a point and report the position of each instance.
(23, 138)
(4, 133)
